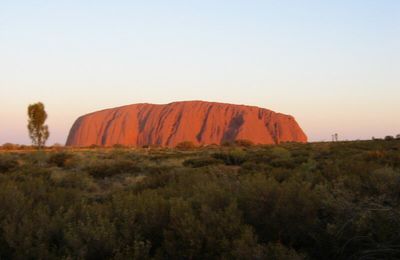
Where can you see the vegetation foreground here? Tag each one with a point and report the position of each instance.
(292, 201)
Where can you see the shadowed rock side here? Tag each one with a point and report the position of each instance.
(196, 121)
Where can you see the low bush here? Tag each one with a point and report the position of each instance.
(186, 145)
(119, 146)
(244, 143)
(201, 162)
(7, 163)
(10, 146)
(278, 251)
(227, 143)
(60, 159)
(109, 168)
(234, 157)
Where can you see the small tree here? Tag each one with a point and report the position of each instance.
(398, 136)
(389, 138)
(38, 131)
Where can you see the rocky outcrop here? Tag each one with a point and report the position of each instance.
(196, 121)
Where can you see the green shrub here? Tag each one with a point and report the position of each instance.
(277, 251)
(7, 163)
(119, 146)
(186, 145)
(109, 168)
(201, 162)
(234, 157)
(244, 143)
(60, 159)
(227, 143)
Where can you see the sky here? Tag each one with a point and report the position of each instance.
(333, 65)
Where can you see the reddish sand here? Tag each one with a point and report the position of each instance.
(196, 121)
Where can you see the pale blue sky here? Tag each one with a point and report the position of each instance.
(334, 65)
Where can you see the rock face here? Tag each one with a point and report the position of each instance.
(196, 121)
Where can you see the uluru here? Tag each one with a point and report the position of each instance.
(199, 122)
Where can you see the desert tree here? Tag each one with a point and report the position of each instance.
(389, 138)
(38, 131)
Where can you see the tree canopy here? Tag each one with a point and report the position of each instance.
(38, 131)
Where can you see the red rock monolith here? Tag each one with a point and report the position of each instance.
(197, 121)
